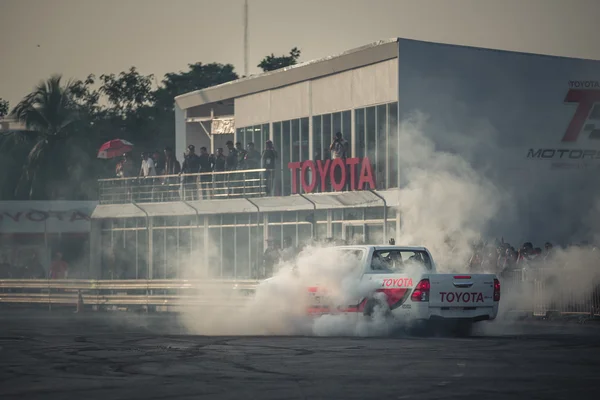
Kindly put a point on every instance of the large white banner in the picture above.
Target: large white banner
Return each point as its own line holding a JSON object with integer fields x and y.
{"x": 45, "y": 216}
{"x": 529, "y": 123}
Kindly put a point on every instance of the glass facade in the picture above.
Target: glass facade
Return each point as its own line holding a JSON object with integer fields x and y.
{"x": 228, "y": 245}
{"x": 374, "y": 136}
{"x": 377, "y": 138}
{"x": 257, "y": 134}
{"x": 325, "y": 127}
{"x": 291, "y": 140}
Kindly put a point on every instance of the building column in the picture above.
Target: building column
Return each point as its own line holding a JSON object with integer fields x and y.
{"x": 180, "y": 131}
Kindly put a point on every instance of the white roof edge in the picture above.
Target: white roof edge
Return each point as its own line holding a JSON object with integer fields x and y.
{"x": 350, "y": 59}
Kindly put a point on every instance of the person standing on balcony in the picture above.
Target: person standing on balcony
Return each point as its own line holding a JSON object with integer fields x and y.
{"x": 206, "y": 167}
{"x": 234, "y": 180}
{"x": 172, "y": 167}
{"x": 191, "y": 165}
{"x": 241, "y": 156}
{"x": 269, "y": 156}
{"x": 252, "y": 157}
{"x": 252, "y": 161}
{"x": 338, "y": 149}
{"x": 219, "y": 164}
{"x": 148, "y": 172}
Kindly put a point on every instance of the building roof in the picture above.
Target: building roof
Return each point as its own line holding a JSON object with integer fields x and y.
{"x": 355, "y": 58}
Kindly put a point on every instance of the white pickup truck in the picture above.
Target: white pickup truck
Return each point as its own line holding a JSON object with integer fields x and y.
{"x": 410, "y": 287}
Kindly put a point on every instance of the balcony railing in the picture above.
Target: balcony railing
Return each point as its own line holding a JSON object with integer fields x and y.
{"x": 188, "y": 187}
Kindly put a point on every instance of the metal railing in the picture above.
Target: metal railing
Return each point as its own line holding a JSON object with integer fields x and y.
{"x": 187, "y": 187}
{"x": 544, "y": 292}
{"x": 124, "y": 293}
{"x": 540, "y": 292}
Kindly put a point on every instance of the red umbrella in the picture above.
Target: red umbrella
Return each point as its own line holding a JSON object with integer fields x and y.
{"x": 114, "y": 148}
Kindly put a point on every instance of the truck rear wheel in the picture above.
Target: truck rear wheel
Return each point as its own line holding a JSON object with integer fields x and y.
{"x": 370, "y": 306}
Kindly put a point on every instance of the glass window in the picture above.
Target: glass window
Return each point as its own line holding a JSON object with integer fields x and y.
{"x": 228, "y": 219}
{"x": 338, "y": 215}
{"x": 374, "y": 234}
{"x": 285, "y": 151}
{"x": 242, "y": 252}
{"x": 242, "y": 219}
{"x": 347, "y": 131}
{"x": 370, "y": 134}
{"x": 275, "y": 234}
{"x": 336, "y": 229}
{"x": 304, "y": 234}
{"x": 326, "y": 136}
{"x": 214, "y": 268}
{"x": 317, "y": 152}
{"x": 274, "y": 217}
{"x": 337, "y": 125}
{"x": 381, "y": 147}
{"x": 277, "y": 145}
{"x": 295, "y": 139}
{"x": 239, "y": 134}
{"x": 228, "y": 245}
{"x": 304, "y": 142}
{"x": 289, "y": 216}
{"x": 264, "y": 136}
{"x": 374, "y": 213}
{"x": 321, "y": 231}
{"x": 257, "y": 247}
{"x": 359, "y": 131}
{"x": 289, "y": 231}
{"x": 393, "y": 145}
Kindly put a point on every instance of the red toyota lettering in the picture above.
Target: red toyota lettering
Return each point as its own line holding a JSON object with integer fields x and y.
{"x": 294, "y": 166}
{"x": 308, "y": 187}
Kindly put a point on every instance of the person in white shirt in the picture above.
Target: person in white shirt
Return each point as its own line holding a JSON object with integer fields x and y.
{"x": 148, "y": 167}
{"x": 148, "y": 170}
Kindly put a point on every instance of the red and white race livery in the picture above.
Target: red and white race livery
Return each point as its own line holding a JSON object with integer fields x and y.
{"x": 404, "y": 282}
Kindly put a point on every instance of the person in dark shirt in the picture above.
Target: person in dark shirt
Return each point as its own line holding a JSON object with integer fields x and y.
{"x": 241, "y": 155}
{"x": 191, "y": 165}
{"x": 206, "y": 167}
{"x": 252, "y": 161}
{"x": 232, "y": 157}
{"x": 233, "y": 180}
{"x": 269, "y": 157}
{"x": 252, "y": 157}
{"x": 219, "y": 164}
{"x": 172, "y": 167}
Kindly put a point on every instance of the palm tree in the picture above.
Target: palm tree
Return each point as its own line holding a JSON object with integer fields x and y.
{"x": 48, "y": 113}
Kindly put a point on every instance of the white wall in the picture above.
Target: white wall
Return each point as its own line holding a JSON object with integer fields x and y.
{"x": 360, "y": 87}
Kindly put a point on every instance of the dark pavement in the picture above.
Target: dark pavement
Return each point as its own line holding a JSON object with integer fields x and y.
{"x": 130, "y": 356}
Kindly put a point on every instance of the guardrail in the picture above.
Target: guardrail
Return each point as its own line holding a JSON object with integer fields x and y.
{"x": 124, "y": 293}
{"x": 549, "y": 292}
{"x": 538, "y": 292}
{"x": 188, "y": 187}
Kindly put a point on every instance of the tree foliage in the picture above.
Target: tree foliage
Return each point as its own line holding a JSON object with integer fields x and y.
{"x": 68, "y": 121}
{"x": 4, "y": 107}
{"x": 271, "y": 62}
{"x": 49, "y": 113}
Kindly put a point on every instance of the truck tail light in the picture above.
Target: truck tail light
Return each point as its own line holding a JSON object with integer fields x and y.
{"x": 421, "y": 292}
{"x": 496, "y": 290}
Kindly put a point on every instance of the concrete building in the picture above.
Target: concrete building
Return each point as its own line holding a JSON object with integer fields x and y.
{"x": 504, "y": 116}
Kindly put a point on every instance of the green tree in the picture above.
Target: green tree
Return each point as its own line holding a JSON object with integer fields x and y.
{"x": 271, "y": 62}
{"x": 48, "y": 112}
{"x": 198, "y": 76}
{"x": 4, "y": 107}
{"x": 127, "y": 92}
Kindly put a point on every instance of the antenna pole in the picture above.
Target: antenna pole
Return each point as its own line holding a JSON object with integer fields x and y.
{"x": 246, "y": 38}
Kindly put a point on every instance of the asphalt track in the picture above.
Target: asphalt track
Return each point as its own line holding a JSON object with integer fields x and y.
{"x": 129, "y": 356}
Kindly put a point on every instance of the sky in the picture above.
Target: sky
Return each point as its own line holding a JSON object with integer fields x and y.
{"x": 79, "y": 37}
